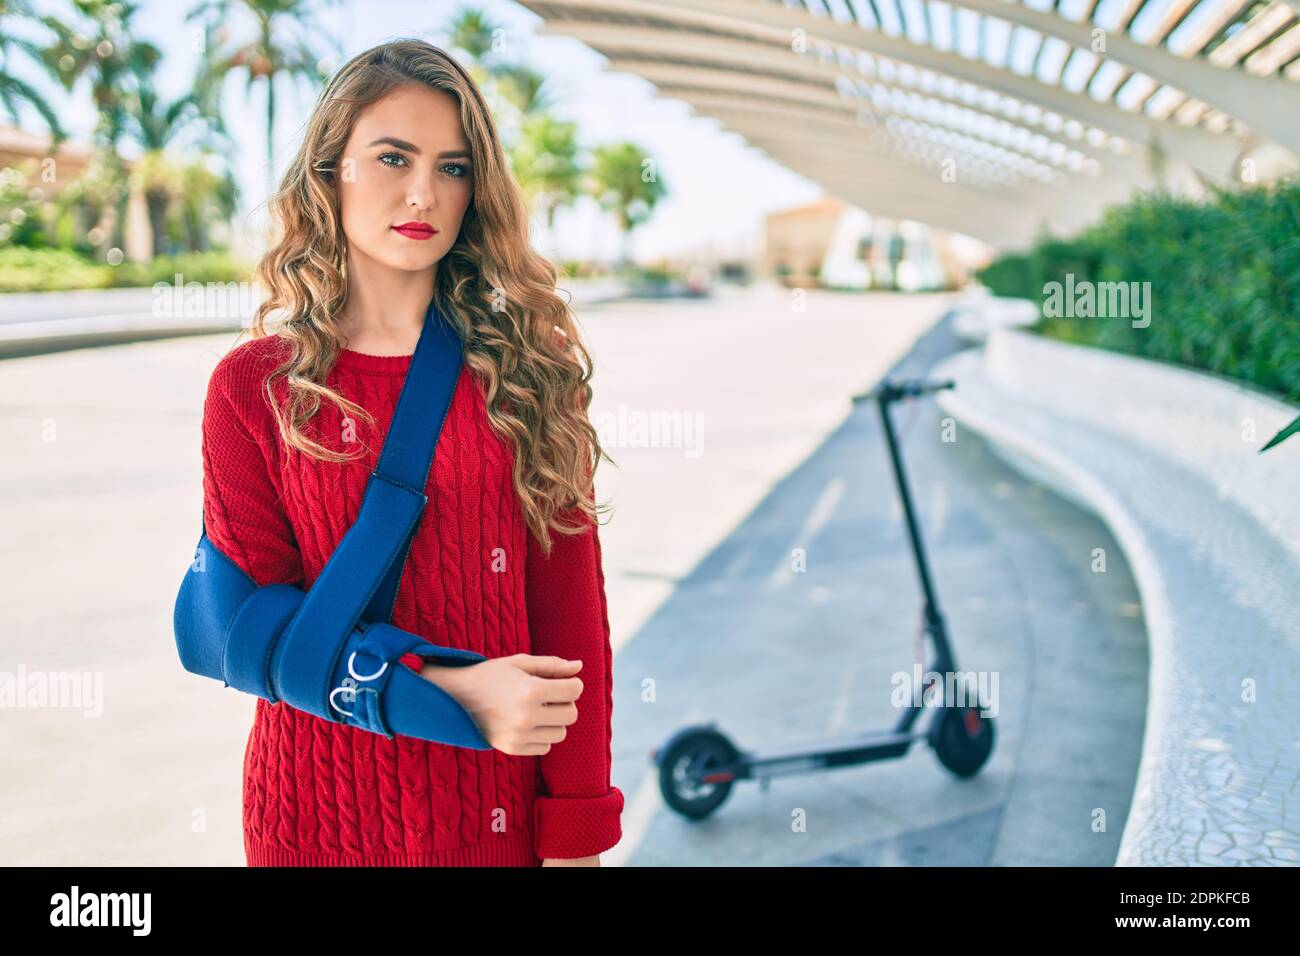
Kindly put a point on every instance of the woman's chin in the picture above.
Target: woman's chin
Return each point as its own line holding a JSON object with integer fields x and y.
{"x": 410, "y": 260}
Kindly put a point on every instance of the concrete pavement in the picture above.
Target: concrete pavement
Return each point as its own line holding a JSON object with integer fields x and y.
{"x": 782, "y": 659}
{"x": 102, "y": 495}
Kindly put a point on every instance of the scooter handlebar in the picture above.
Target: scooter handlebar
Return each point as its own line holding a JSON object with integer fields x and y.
{"x": 891, "y": 391}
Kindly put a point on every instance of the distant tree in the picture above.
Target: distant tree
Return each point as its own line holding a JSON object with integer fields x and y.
{"x": 283, "y": 46}
{"x": 626, "y": 184}
{"x": 545, "y": 161}
{"x": 14, "y": 90}
{"x": 98, "y": 45}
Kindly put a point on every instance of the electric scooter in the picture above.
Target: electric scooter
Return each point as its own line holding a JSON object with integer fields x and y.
{"x": 698, "y": 765}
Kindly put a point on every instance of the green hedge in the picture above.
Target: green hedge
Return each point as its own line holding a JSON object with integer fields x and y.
{"x": 193, "y": 267}
{"x": 50, "y": 270}
{"x": 1224, "y": 280}
{"x": 43, "y": 270}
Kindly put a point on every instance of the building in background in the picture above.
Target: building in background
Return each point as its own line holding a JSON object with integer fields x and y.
{"x": 30, "y": 153}
{"x": 831, "y": 244}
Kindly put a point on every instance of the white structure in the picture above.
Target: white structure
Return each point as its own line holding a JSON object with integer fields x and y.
{"x": 993, "y": 118}
{"x": 843, "y": 267}
{"x": 1169, "y": 459}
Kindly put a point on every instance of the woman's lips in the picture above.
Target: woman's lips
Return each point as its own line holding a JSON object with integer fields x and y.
{"x": 415, "y": 230}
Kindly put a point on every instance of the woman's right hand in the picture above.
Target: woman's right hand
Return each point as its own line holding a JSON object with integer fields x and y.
{"x": 521, "y": 704}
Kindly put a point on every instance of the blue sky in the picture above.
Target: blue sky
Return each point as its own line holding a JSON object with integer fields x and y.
{"x": 718, "y": 188}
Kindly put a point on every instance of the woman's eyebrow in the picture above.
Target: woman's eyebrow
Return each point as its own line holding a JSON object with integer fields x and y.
{"x": 412, "y": 148}
{"x": 399, "y": 143}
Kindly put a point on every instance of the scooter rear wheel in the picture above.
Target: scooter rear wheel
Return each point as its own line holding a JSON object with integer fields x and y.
{"x": 962, "y": 740}
{"x": 687, "y": 759}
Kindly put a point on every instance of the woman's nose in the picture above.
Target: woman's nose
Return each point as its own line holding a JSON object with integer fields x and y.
{"x": 421, "y": 193}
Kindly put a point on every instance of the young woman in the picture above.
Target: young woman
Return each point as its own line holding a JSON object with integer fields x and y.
{"x": 400, "y": 195}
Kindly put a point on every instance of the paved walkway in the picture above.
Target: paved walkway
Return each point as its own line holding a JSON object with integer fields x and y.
{"x": 101, "y": 496}
{"x": 781, "y": 659}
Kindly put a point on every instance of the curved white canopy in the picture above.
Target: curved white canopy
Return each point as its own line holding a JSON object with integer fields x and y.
{"x": 1005, "y": 116}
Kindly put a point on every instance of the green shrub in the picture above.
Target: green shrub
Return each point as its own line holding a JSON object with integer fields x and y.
{"x": 193, "y": 267}
{"x": 46, "y": 270}
{"x": 1014, "y": 274}
{"x": 1224, "y": 280}
{"x": 53, "y": 270}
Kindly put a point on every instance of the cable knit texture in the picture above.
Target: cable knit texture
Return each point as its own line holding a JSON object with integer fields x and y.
{"x": 317, "y": 793}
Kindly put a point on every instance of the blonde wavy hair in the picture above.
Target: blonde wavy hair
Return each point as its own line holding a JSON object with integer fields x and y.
{"x": 499, "y": 293}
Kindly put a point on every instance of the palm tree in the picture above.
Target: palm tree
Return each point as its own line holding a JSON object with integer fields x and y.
{"x": 475, "y": 34}
{"x": 524, "y": 88}
{"x": 545, "y": 162}
{"x": 156, "y": 124}
{"x": 268, "y": 56}
{"x": 542, "y": 150}
{"x": 520, "y": 96}
{"x": 80, "y": 206}
{"x": 159, "y": 181}
{"x": 472, "y": 31}
{"x": 13, "y": 90}
{"x": 206, "y": 197}
{"x": 625, "y": 182}
{"x": 99, "y": 46}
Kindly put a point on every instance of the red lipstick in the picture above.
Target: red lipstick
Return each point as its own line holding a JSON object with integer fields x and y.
{"x": 416, "y": 230}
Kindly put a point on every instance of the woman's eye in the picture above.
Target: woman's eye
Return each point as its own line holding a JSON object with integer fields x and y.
{"x": 382, "y": 157}
{"x": 463, "y": 170}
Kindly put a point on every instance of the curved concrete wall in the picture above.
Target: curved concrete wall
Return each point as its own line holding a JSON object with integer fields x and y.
{"x": 1165, "y": 456}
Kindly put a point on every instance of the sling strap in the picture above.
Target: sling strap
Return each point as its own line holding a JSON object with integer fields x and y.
{"x": 331, "y": 651}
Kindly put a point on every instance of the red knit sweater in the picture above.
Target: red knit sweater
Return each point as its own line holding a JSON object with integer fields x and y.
{"x": 321, "y": 793}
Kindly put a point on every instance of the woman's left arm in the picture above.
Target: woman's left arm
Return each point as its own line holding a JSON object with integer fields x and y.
{"x": 577, "y": 814}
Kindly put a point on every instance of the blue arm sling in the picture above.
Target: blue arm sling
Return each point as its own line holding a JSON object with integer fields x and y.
{"x": 331, "y": 650}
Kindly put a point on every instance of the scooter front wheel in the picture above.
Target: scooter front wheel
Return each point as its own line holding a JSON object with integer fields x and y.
{"x": 962, "y": 739}
{"x": 685, "y": 767}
